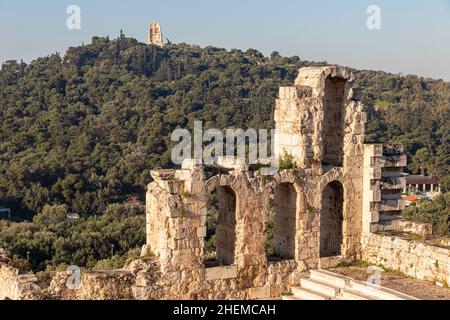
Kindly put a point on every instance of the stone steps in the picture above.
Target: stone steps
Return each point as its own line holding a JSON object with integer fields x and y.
{"x": 378, "y": 292}
{"x": 350, "y": 294}
{"x": 325, "y": 285}
{"x": 307, "y": 294}
{"x": 323, "y": 288}
{"x": 290, "y": 298}
{"x": 330, "y": 278}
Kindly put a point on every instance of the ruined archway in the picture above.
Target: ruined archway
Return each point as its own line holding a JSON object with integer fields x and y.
{"x": 220, "y": 242}
{"x": 331, "y": 220}
{"x": 281, "y": 223}
{"x": 334, "y": 120}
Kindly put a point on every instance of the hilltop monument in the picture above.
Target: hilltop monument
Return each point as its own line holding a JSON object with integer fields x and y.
{"x": 155, "y": 35}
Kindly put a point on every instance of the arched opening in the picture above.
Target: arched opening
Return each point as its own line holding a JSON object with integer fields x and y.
{"x": 334, "y": 121}
{"x": 220, "y": 241}
{"x": 281, "y": 223}
{"x": 331, "y": 219}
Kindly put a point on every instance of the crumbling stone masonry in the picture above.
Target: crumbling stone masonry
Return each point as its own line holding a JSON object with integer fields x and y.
{"x": 13, "y": 285}
{"x": 340, "y": 189}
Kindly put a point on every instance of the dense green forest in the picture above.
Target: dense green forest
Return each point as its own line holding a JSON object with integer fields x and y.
{"x": 81, "y": 132}
{"x": 50, "y": 242}
{"x": 86, "y": 129}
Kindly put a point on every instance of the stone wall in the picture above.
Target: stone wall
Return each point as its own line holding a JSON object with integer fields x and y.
{"x": 383, "y": 182}
{"x": 423, "y": 230}
{"x": 139, "y": 280}
{"x": 319, "y": 119}
{"x": 101, "y": 285}
{"x": 413, "y": 258}
{"x": 320, "y": 122}
{"x": 176, "y": 216}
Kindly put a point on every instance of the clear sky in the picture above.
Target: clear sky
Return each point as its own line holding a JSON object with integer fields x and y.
{"x": 414, "y": 36}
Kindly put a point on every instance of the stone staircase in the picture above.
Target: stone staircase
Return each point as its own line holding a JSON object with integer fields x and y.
{"x": 325, "y": 285}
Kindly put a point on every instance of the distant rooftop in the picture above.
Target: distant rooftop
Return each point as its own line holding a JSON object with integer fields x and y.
{"x": 421, "y": 180}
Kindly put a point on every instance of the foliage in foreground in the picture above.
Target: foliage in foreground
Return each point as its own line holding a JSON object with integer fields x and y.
{"x": 436, "y": 212}
{"x": 85, "y": 243}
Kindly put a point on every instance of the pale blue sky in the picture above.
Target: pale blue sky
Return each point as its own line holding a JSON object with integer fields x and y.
{"x": 415, "y": 34}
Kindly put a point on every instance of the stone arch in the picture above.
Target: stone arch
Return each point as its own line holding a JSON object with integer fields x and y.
{"x": 226, "y": 227}
{"x": 268, "y": 184}
{"x": 332, "y": 219}
{"x": 285, "y": 208}
{"x": 224, "y": 232}
{"x": 335, "y": 174}
{"x": 333, "y": 126}
{"x": 211, "y": 184}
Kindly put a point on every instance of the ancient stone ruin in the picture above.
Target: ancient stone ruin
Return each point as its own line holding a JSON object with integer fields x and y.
{"x": 155, "y": 36}
{"x": 332, "y": 207}
{"x": 326, "y": 211}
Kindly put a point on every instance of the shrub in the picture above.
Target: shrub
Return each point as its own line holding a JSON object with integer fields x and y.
{"x": 445, "y": 184}
{"x": 51, "y": 215}
{"x": 436, "y": 212}
{"x": 53, "y": 243}
{"x": 287, "y": 162}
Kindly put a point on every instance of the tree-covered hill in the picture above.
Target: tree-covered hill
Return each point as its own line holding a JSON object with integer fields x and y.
{"x": 85, "y": 129}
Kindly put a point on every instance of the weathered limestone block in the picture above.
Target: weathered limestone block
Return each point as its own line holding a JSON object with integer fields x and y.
{"x": 422, "y": 229}
{"x": 259, "y": 293}
{"x": 237, "y": 164}
{"x": 221, "y": 273}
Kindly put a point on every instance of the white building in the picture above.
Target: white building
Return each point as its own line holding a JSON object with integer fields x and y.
{"x": 5, "y": 213}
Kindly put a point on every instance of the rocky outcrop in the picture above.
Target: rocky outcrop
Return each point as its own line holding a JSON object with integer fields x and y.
{"x": 4, "y": 260}
{"x": 100, "y": 285}
{"x": 135, "y": 281}
{"x": 16, "y": 286}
